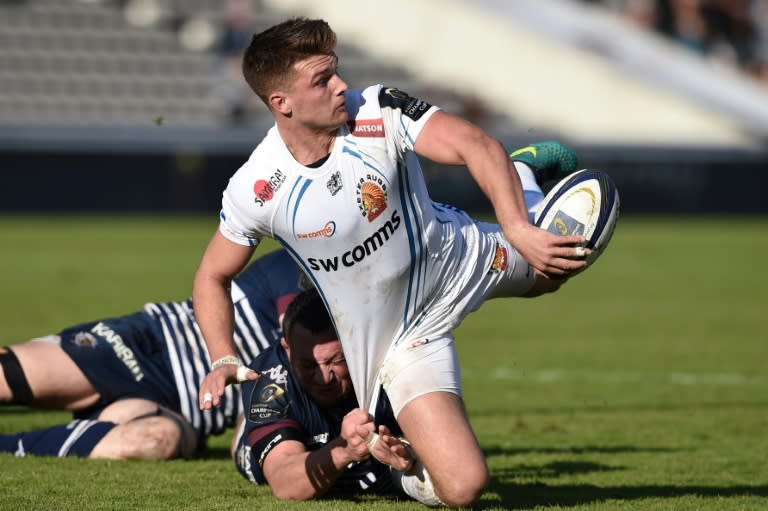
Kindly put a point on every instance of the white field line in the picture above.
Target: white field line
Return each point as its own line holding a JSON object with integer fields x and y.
{"x": 566, "y": 375}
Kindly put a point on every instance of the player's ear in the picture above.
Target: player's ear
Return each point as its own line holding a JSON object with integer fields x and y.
{"x": 285, "y": 346}
{"x": 279, "y": 103}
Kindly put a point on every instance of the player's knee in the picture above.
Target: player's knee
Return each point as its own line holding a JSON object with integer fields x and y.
{"x": 158, "y": 439}
{"x": 159, "y": 442}
{"x": 465, "y": 489}
{"x": 18, "y": 389}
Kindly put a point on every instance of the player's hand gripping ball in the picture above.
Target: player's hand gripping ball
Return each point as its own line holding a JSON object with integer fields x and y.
{"x": 586, "y": 203}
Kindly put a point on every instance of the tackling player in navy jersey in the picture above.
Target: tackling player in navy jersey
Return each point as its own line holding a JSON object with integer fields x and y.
{"x": 132, "y": 381}
{"x": 303, "y": 433}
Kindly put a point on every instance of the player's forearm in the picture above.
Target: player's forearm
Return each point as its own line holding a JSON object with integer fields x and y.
{"x": 215, "y": 315}
{"x": 311, "y": 474}
{"x": 497, "y": 178}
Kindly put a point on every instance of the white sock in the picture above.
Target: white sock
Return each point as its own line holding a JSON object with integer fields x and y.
{"x": 531, "y": 189}
{"x": 417, "y": 484}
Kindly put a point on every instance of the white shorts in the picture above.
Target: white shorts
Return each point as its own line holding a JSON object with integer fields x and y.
{"x": 414, "y": 369}
{"x": 424, "y": 358}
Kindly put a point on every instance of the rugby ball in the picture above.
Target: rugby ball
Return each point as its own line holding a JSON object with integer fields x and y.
{"x": 586, "y": 203}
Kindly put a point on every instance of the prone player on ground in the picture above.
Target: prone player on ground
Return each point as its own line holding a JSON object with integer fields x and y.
{"x": 132, "y": 381}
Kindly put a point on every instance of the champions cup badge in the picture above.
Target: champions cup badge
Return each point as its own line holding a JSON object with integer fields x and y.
{"x": 500, "y": 260}
{"x": 270, "y": 393}
{"x": 371, "y": 199}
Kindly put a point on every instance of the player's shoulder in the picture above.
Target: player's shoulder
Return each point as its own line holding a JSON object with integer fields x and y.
{"x": 379, "y": 96}
{"x": 263, "y": 157}
{"x": 361, "y": 95}
{"x": 362, "y": 102}
{"x": 267, "y": 398}
{"x": 273, "y": 362}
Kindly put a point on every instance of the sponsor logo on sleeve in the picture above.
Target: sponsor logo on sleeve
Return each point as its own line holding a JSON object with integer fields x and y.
{"x": 269, "y": 400}
{"x": 268, "y": 403}
{"x": 265, "y": 189}
{"x": 412, "y": 108}
{"x": 272, "y": 443}
{"x": 366, "y": 127}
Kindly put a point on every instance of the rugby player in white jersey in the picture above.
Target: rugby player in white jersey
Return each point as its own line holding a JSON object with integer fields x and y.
{"x": 336, "y": 180}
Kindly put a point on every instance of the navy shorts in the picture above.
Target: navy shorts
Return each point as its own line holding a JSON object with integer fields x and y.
{"x": 123, "y": 357}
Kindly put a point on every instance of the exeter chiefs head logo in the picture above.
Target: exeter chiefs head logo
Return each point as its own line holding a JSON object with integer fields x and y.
{"x": 371, "y": 198}
{"x": 500, "y": 260}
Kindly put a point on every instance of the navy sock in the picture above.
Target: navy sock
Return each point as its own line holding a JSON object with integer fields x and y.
{"x": 78, "y": 438}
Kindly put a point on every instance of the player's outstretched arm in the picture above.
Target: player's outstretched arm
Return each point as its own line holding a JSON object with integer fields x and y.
{"x": 450, "y": 140}
{"x": 221, "y": 262}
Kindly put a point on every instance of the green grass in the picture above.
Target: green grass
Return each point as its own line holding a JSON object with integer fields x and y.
{"x": 641, "y": 385}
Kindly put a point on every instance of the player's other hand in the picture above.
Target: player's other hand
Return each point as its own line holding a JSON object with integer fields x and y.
{"x": 549, "y": 254}
{"x": 392, "y": 451}
{"x": 214, "y": 383}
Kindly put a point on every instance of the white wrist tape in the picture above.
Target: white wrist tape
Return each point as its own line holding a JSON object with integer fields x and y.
{"x": 371, "y": 441}
{"x": 223, "y": 361}
{"x": 242, "y": 373}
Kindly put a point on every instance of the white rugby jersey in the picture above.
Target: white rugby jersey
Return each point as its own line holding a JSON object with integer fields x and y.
{"x": 363, "y": 228}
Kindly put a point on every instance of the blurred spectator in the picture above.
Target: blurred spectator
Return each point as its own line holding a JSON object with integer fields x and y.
{"x": 759, "y": 13}
{"x": 239, "y": 17}
{"x": 643, "y": 13}
{"x": 682, "y": 21}
{"x": 731, "y": 31}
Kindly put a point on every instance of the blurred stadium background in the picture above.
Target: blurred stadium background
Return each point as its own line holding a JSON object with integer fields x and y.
{"x": 138, "y": 105}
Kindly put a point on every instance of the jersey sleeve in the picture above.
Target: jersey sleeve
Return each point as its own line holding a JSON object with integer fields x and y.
{"x": 232, "y": 226}
{"x": 244, "y": 216}
{"x": 268, "y": 416}
{"x": 404, "y": 117}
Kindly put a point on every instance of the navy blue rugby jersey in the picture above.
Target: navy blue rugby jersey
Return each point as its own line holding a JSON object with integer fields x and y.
{"x": 277, "y": 409}
{"x": 260, "y": 295}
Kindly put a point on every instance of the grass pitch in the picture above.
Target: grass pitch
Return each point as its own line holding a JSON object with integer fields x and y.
{"x": 641, "y": 385}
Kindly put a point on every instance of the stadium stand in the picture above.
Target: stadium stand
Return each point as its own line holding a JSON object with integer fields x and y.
{"x": 92, "y": 91}
{"x": 131, "y": 62}
{"x": 69, "y": 62}
{"x": 561, "y": 66}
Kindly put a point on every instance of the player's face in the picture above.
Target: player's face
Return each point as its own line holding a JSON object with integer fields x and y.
{"x": 319, "y": 366}
{"x": 316, "y": 96}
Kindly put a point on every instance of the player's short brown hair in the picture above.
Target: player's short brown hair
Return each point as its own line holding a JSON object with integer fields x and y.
{"x": 307, "y": 310}
{"x": 269, "y": 59}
